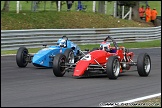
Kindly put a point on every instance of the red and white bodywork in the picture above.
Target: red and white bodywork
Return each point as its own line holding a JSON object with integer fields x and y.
{"x": 99, "y": 57}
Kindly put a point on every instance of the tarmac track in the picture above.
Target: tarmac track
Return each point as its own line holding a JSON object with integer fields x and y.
{"x": 38, "y": 87}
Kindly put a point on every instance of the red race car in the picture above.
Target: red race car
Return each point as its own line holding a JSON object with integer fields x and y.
{"x": 109, "y": 60}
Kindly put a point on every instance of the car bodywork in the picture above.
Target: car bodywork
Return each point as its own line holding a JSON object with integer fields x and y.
{"x": 45, "y": 56}
{"x": 111, "y": 62}
{"x": 97, "y": 59}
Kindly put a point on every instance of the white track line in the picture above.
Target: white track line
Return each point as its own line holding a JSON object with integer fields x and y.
{"x": 130, "y": 101}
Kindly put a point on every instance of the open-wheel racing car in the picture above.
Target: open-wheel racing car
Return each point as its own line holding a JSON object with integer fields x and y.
{"x": 45, "y": 56}
{"x": 109, "y": 60}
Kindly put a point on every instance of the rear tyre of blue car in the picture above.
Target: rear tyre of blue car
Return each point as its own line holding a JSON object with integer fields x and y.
{"x": 113, "y": 67}
{"x": 143, "y": 64}
{"x": 69, "y": 55}
{"x": 59, "y": 65}
{"x": 21, "y": 57}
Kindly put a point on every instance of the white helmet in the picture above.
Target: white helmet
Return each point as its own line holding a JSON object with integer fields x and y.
{"x": 62, "y": 43}
{"x": 105, "y": 46}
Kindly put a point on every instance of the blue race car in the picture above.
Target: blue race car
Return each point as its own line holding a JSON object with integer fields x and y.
{"x": 45, "y": 56}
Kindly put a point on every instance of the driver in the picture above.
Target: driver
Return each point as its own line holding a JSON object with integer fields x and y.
{"x": 105, "y": 45}
{"x": 62, "y": 43}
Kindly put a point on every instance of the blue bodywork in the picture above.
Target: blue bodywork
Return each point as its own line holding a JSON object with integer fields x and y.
{"x": 45, "y": 56}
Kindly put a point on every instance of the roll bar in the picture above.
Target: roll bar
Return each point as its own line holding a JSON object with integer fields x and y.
{"x": 65, "y": 37}
{"x": 114, "y": 42}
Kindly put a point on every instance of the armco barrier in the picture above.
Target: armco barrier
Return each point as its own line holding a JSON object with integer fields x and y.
{"x": 34, "y": 38}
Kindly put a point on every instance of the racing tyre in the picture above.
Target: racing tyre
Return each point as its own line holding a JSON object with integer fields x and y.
{"x": 113, "y": 67}
{"x": 69, "y": 55}
{"x": 59, "y": 65}
{"x": 143, "y": 64}
{"x": 21, "y": 56}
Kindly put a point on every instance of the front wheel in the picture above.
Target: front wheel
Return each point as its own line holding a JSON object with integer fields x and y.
{"x": 59, "y": 65}
{"x": 113, "y": 67}
{"x": 21, "y": 57}
{"x": 143, "y": 64}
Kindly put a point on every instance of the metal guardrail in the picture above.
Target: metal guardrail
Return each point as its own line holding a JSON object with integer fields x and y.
{"x": 34, "y": 38}
{"x": 158, "y": 17}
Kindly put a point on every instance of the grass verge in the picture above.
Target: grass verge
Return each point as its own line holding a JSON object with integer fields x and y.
{"x": 153, "y": 102}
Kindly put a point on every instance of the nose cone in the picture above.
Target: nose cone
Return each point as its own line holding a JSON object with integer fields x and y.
{"x": 39, "y": 57}
{"x": 36, "y": 58}
{"x": 81, "y": 67}
{"x": 42, "y": 57}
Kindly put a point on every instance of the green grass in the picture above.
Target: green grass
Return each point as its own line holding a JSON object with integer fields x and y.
{"x": 31, "y": 50}
{"x": 156, "y": 43}
{"x": 63, "y": 20}
{"x": 52, "y": 19}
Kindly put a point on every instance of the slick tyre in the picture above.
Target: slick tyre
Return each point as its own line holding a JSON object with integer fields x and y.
{"x": 58, "y": 65}
{"x": 143, "y": 64}
{"x": 69, "y": 55}
{"x": 21, "y": 56}
{"x": 113, "y": 67}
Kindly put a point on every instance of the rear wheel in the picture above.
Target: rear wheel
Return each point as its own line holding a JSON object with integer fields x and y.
{"x": 59, "y": 65}
{"x": 113, "y": 67}
{"x": 143, "y": 64}
{"x": 69, "y": 55}
{"x": 21, "y": 57}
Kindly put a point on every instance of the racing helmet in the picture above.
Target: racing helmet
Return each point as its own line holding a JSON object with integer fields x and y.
{"x": 62, "y": 43}
{"x": 105, "y": 46}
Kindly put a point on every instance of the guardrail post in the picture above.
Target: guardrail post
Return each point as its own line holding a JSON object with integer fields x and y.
{"x": 130, "y": 13}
